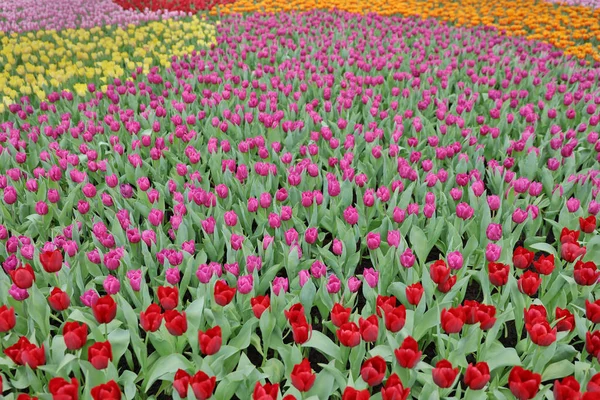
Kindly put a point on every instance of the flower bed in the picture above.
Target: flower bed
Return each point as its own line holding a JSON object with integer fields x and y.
{"x": 321, "y": 205}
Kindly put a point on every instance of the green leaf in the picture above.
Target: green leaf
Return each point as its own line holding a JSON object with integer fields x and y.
{"x": 166, "y": 365}
{"x": 242, "y": 339}
{"x": 545, "y": 247}
{"x": 499, "y": 356}
{"x": 558, "y": 370}
{"x": 419, "y": 242}
{"x": 322, "y": 343}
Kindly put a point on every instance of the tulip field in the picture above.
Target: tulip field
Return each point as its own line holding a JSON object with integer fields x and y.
{"x": 300, "y": 199}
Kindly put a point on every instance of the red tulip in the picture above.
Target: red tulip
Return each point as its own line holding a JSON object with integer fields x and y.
{"x": 541, "y": 333}
{"x": 534, "y": 314}
{"x": 369, "y": 328}
{"x": 522, "y": 257}
{"x": 75, "y": 335}
{"x": 151, "y": 319}
{"x": 408, "y": 354}
{"x": 446, "y": 286}
{"x": 592, "y": 311}
{"x": 439, "y": 272}
{"x": 23, "y": 276}
{"x": 25, "y": 396}
{"x": 352, "y": 394}
{"x": 393, "y": 389}
{"x": 168, "y": 297}
{"x": 302, "y": 376}
{"x": 7, "y": 319}
{"x": 301, "y": 332}
{"x": 259, "y": 305}
{"x": 100, "y": 354}
{"x": 545, "y": 264}
{"x": 477, "y": 376}
{"x": 395, "y": 319}
{"x": 453, "y": 319}
{"x": 498, "y": 273}
{"x": 295, "y": 314}
{"x": 523, "y": 383}
{"x": 373, "y": 370}
{"x": 587, "y": 225}
{"x": 414, "y": 293}
{"x": 586, "y": 273}
{"x": 61, "y": 389}
{"x": 385, "y": 303}
{"x": 267, "y": 391}
{"x": 567, "y": 389}
{"x": 569, "y": 236}
{"x": 51, "y": 261}
{"x": 444, "y": 374}
{"x": 176, "y": 322}
{"x": 105, "y": 309}
{"x": 203, "y": 385}
{"x": 59, "y": 300}
{"x": 566, "y": 320}
{"x": 181, "y": 382}
{"x": 106, "y": 391}
{"x": 210, "y": 341}
{"x": 529, "y": 283}
{"x": 592, "y": 343}
{"x": 486, "y": 316}
{"x": 348, "y": 334}
{"x": 223, "y": 293}
{"x": 340, "y": 315}
{"x": 571, "y": 251}
{"x": 26, "y": 353}
{"x": 594, "y": 384}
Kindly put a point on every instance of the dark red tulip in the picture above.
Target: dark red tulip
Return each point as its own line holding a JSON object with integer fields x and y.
{"x": 51, "y": 261}
{"x": 592, "y": 311}
{"x": 75, "y": 335}
{"x": 106, "y": 391}
{"x": 571, "y": 251}
{"x": 7, "y": 319}
{"x": 267, "y": 391}
{"x": 587, "y": 225}
{"x": 259, "y": 305}
{"x": 105, "y": 309}
{"x": 385, "y": 303}
{"x": 301, "y": 332}
{"x": 477, "y": 376}
{"x": 567, "y": 389}
{"x": 223, "y": 293}
{"x": 181, "y": 382}
{"x": 203, "y": 385}
{"x": 394, "y": 390}
{"x": 151, "y": 319}
{"x": 498, "y": 273}
{"x": 522, "y": 257}
{"x": 453, "y": 319}
{"x": 369, "y": 328}
{"x": 340, "y": 315}
{"x": 348, "y": 334}
{"x": 529, "y": 283}
{"x": 295, "y": 314}
{"x": 303, "y": 378}
{"x": 176, "y": 322}
{"x": 586, "y": 273}
{"x": 439, "y": 272}
{"x": 524, "y": 384}
{"x": 23, "y": 276}
{"x": 592, "y": 343}
{"x": 168, "y": 297}
{"x": 566, "y": 320}
{"x": 100, "y": 354}
{"x": 545, "y": 264}
{"x": 569, "y": 236}
{"x": 61, "y": 389}
{"x": 59, "y": 300}
{"x": 444, "y": 374}
{"x": 408, "y": 354}
{"x": 210, "y": 341}
{"x": 373, "y": 370}
{"x": 353, "y": 394}
{"x": 395, "y": 319}
{"x": 414, "y": 293}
